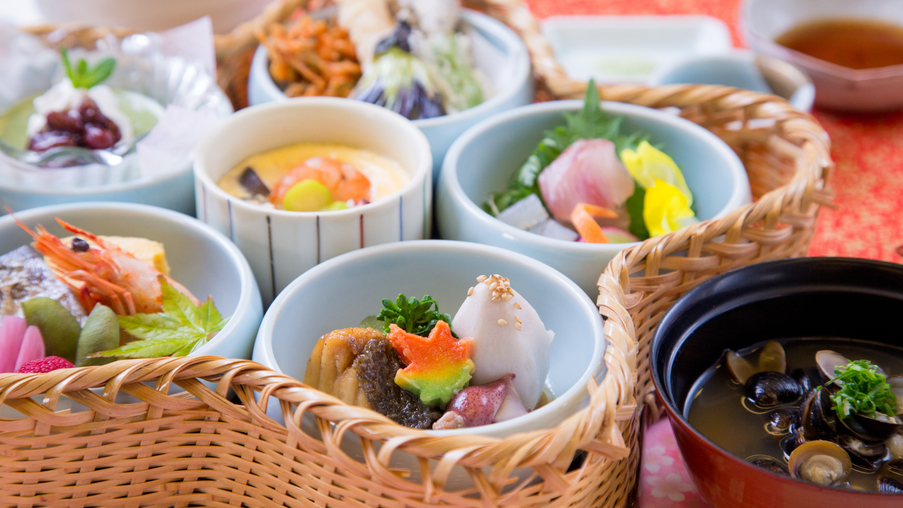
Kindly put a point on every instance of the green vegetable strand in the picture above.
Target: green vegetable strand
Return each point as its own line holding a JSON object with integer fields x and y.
{"x": 863, "y": 390}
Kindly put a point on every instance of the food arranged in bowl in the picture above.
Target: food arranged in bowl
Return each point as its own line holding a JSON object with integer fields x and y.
{"x": 115, "y": 123}
{"x": 87, "y": 299}
{"x": 78, "y": 111}
{"x": 315, "y": 177}
{"x": 682, "y": 173}
{"x": 769, "y": 383}
{"x": 504, "y": 343}
{"x": 407, "y": 56}
{"x": 433, "y": 62}
{"x": 806, "y": 410}
{"x": 293, "y": 184}
{"x": 589, "y": 170}
{"x": 408, "y": 364}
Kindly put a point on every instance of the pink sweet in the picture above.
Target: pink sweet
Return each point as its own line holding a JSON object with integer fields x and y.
{"x": 588, "y": 171}
{"x": 12, "y": 330}
{"x": 481, "y": 405}
{"x": 32, "y": 347}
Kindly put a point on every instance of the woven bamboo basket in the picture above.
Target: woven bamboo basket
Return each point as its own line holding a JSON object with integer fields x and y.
{"x": 153, "y": 447}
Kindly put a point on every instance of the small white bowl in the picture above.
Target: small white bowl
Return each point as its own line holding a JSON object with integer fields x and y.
{"x": 342, "y": 291}
{"x": 498, "y": 53}
{"x": 281, "y": 245}
{"x": 628, "y": 48}
{"x": 742, "y": 69}
{"x": 836, "y": 87}
{"x": 201, "y": 259}
{"x": 485, "y": 157}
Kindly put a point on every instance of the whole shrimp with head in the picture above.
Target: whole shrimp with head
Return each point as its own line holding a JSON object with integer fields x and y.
{"x": 99, "y": 271}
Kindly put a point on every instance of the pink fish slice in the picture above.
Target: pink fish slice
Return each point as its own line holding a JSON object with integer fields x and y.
{"x": 32, "y": 347}
{"x": 12, "y": 330}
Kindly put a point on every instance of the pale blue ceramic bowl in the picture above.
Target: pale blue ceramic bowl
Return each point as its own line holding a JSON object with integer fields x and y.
{"x": 201, "y": 259}
{"x": 485, "y": 157}
{"x": 498, "y": 53}
{"x": 340, "y": 292}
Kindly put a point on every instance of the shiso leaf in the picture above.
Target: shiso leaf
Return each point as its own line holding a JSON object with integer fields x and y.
{"x": 181, "y": 328}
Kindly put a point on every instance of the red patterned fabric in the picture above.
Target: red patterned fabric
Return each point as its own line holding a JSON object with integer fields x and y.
{"x": 868, "y": 150}
{"x": 868, "y": 221}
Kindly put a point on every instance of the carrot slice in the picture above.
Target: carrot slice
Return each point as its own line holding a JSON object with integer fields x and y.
{"x": 584, "y": 222}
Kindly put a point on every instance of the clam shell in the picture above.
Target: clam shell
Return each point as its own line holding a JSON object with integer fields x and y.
{"x": 820, "y": 462}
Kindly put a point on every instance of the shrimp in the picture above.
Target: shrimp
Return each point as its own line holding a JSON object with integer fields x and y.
{"x": 105, "y": 274}
{"x": 343, "y": 180}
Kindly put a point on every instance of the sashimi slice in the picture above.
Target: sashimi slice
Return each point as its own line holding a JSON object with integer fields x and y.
{"x": 12, "y": 330}
{"x": 588, "y": 171}
{"x": 32, "y": 347}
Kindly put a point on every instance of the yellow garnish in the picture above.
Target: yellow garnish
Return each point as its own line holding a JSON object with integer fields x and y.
{"x": 666, "y": 209}
{"x": 648, "y": 164}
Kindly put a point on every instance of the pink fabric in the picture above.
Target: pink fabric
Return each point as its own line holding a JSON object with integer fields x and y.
{"x": 664, "y": 481}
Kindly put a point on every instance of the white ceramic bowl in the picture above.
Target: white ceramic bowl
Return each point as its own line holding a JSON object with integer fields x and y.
{"x": 742, "y": 69}
{"x": 836, "y": 87}
{"x": 203, "y": 260}
{"x": 485, "y": 157}
{"x": 498, "y": 53}
{"x": 341, "y": 292}
{"x": 142, "y": 16}
{"x": 281, "y": 245}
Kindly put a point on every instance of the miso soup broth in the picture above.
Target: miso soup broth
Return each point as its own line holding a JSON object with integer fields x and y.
{"x": 720, "y": 410}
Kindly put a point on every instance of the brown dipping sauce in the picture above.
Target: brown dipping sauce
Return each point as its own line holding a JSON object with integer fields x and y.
{"x": 853, "y": 43}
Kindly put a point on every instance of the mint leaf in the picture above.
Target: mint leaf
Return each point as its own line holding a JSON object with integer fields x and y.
{"x": 83, "y": 75}
{"x": 181, "y": 328}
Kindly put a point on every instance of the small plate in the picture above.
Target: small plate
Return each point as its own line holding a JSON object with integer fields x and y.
{"x": 628, "y": 49}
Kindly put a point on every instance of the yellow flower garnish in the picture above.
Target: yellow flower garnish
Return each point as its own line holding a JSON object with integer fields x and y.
{"x": 666, "y": 209}
{"x": 648, "y": 164}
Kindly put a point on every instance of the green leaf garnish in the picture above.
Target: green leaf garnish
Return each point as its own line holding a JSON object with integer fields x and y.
{"x": 863, "y": 390}
{"x": 412, "y": 315}
{"x": 84, "y": 76}
{"x": 590, "y": 123}
{"x": 181, "y": 328}
{"x": 634, "y": 205}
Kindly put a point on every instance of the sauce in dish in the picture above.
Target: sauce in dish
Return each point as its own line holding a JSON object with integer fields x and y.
{"x": 314, "y": 177}
{"x": 853, "y": 43}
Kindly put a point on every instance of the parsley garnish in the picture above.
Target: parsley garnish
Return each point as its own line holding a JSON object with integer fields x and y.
{"x": 863, "y": 390}
{"x": 590, "y": 123}
{"x": 84, "y": 76}
{"x": 181, "y": 328}
{"x": 412, "y": 315}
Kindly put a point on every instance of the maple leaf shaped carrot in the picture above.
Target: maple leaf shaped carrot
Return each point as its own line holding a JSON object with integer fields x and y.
{"x": 438, "y": 366}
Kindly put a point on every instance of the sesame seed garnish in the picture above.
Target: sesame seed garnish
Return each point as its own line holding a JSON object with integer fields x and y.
{"x": 517, "y": 318}
{"x": 503, "y": 322}
{"x": 481, "y": 278}
{"x": 516, "y": 305}
{"x": 470, "y": 292}
{"x": 517, "y": 326}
